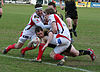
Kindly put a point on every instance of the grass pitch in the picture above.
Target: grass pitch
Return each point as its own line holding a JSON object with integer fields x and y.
{"x": 16, "y": 17}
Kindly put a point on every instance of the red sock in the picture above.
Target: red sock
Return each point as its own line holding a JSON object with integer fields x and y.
{"x": 10, "y": 47}
{"x": 40, "y": 53}
{"x": 26, "y": 49}
{"x": 58, "y": 57}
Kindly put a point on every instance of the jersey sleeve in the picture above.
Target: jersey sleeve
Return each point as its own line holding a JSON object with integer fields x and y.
{"x": 38, "y": 22}
{"x": 51, "y": 19}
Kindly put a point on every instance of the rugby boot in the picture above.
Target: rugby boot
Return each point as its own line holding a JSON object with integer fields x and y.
{"x": 35, "y": 60}
{"x": 62, "y": 61}
{"x": 4, "y": 51}
{"x": 92, "y": 55}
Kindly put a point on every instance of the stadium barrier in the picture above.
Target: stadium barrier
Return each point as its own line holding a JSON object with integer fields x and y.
{"x": 83, "y": 4}
{"x": 93, "y": 4}
{"x": 45, "y": 2}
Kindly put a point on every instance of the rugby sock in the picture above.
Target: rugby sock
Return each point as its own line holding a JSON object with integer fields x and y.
{"x": 58, "y": 57}
{"x": 84, "y": 52}
{"x": 26, "y": 49}
{"x": 40, "y": 53}
{"x": 70, "y": 30}
{"x": 0, "y": 16}
{"x": 10, "y": 47}
{"x": 74, "y": 27}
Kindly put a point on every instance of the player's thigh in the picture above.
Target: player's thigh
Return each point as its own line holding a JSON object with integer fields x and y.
{"x": 52, "y": 54}
{"x": 20, "y": 42}
{"x": 19, "y": 45}
{"x": 60, "y": 48}
{"x": 73, "y": 51}
{"x": 75, "y": 21}
{"x": 0, "y": 11}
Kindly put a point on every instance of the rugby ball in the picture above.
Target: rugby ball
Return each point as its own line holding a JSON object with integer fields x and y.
{"x": 36, "y": 42}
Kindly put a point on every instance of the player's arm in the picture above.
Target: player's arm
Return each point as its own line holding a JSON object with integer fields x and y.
{"x": 38, "y": 22}
{"x": 54, "y": 27}
{"x": 62, "y": 7}
{"x": 50, "y": 37}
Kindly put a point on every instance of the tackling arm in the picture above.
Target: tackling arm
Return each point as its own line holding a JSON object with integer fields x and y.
{"x": 38, "y": 22}
{"x": 50, "y": 37}
{"x": 54, "y": 27}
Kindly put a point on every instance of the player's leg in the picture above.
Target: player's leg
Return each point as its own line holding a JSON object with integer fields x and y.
{"x": 40, "y": 53}
{"x": 17, "y": 45}
{"x": 74, "y": 27}
{"x": 74, "y": 52}
{"x": 75, "y": 21}
{"x": 0, "y": 12}
{"x": 31, "y": 45}
{"x": 58, "y": 56}
{"x": 13, "y": 46}
{"x": 69, "y": 22}
{"x": 56, "y": 53}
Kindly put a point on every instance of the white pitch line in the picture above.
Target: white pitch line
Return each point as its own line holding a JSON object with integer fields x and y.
{"x": 84, "y": 70}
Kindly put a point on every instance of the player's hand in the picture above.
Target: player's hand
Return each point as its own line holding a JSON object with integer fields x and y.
{"x": 44, "y": 46}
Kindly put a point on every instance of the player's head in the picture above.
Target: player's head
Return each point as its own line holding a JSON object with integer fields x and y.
{"x": 49, "y": 11}
{"x": 38, "y": 8}
{"x": 52, "y": 4}
{"x": 39, "y": 32}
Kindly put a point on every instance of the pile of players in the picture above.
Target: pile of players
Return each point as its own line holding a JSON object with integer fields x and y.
{"x": 47, "y": 29}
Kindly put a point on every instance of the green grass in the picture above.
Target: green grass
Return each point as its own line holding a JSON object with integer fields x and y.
{"x": 16, "y": 17}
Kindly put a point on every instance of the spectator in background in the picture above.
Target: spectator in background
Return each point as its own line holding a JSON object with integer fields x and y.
{"x": 1, "y": 4}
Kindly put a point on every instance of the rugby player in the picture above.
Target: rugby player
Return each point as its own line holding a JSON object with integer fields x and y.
{"x": 59, "y": 35}
{"x": 29, "y": 31}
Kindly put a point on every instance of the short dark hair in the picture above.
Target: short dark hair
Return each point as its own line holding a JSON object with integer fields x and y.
{"x": 38, "y": 29}
{"x": 52, "y": 3}
{"x": 38, "y": 5}
{"x": 50, "y": 11}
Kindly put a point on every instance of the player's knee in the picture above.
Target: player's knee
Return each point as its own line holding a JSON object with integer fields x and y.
{"x": 76, "y": 54}
{"x": 52, "y": 55}
{"x": 17, "y": 46}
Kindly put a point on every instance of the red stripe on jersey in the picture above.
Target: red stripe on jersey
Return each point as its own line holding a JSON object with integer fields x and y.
{"x": 58, "y": 21}
{"x": 62, "y": 36}
{"x": 31, "y": 23}
{"x": 21, "y": 34}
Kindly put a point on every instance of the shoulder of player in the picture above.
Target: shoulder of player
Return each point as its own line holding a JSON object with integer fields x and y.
{"x": 35, "y": 16}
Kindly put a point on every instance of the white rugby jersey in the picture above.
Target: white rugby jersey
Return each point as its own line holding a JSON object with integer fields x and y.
{"x": 61, "y": 26}
{"x": 34, "y": 21}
